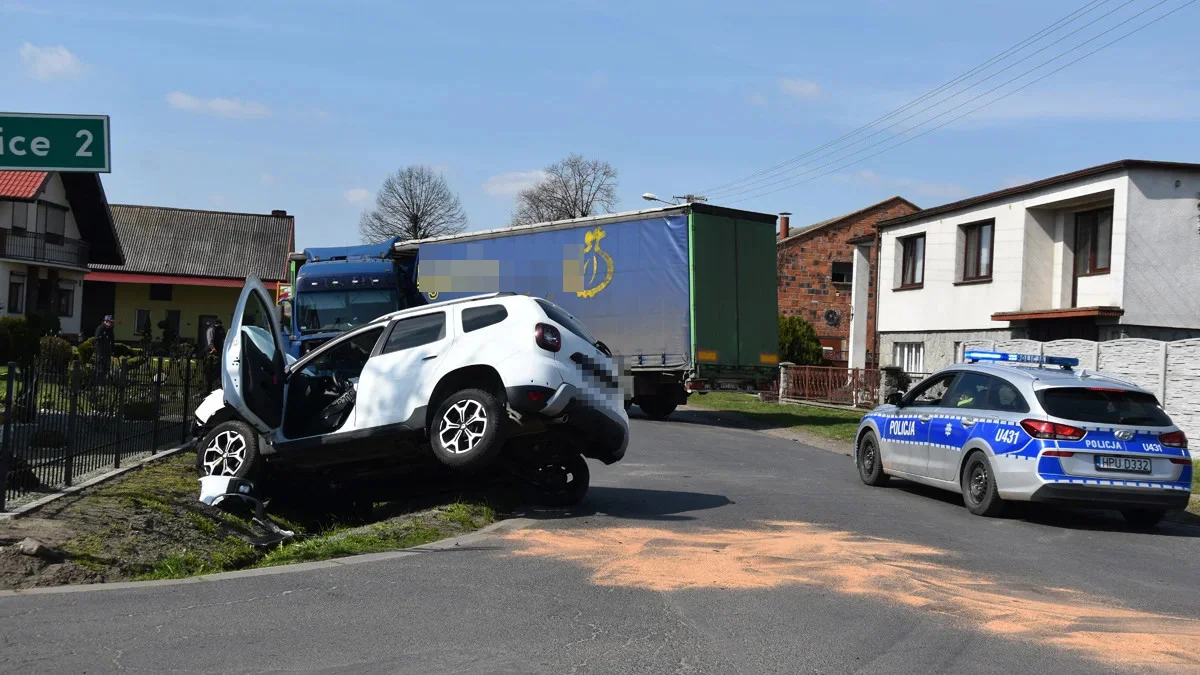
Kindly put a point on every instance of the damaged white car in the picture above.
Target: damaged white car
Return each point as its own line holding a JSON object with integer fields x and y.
{"x": 502, "y": 381}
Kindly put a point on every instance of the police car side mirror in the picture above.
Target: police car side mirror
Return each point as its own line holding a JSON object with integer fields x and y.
{"x": 893, "y": 399}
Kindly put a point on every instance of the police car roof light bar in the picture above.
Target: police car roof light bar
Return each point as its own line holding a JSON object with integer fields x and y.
{"x": 1065, "y": 362}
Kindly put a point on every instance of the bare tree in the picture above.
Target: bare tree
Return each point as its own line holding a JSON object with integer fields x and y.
{"x": 413, "y": 203}
{"x": 573, "y": 188}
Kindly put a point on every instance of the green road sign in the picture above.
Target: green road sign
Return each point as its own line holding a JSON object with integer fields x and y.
{"x": 35, "y": 142}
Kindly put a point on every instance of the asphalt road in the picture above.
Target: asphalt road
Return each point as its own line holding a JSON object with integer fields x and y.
{"x": 708, "y": 549}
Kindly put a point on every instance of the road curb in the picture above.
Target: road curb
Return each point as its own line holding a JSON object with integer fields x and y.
{"x": 461, "y": 541}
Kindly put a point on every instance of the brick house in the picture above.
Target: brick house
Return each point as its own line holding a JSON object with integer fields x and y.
{"x": 817, "y": 265}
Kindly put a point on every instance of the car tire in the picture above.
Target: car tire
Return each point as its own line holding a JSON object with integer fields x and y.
{"x": 979, "y": 487}
{"x": 656, "y": 407}
{"x": 230, "y": 449}
{"x": 1143, "y": 519}
{"x": 467, "y": 430}
{"x": 869, "y": 461}
{"x": 560, "y": 482}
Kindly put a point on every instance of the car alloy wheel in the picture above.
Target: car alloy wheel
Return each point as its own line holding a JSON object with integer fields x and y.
{"x": 462, "y": 426}
{"x": 225, "y": 454}
{"x": 978, "y": 483}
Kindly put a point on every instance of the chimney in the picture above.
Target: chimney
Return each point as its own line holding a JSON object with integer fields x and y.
{"x": 279, "y": 213}
{"x": 784, "y": 221}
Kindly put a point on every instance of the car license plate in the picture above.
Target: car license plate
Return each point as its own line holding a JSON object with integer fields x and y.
{"x": 1126, "y": 464}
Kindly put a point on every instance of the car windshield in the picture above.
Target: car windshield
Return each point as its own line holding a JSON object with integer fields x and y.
{"x": 1103, "y": 406}
{"x": 323, "y": 311}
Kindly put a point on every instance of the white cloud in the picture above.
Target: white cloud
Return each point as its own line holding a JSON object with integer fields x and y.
{"x": 356, "y": 195}
{"x": 229, "y": 108}
{"x": 49, "y": 63}
{"x": 268, "y": 179}
{"x": 509, "y": 184}
{"x": 803, "y": 90}
{"x": 757, "y": 99}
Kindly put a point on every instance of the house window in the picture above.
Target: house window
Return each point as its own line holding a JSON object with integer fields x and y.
{"x": 842, "y": 273}
{"x": 65, "y": 301}
{"x": 52, "y": 219}
{"x": 977, "y": 250}
{"x": 141, "y": 321}
{"x": 910, "y": 356}
{"x": 161, "y": 292}
{"x": 16, "y": 293}
{"x": 20, "y": 219}
{"x": 1093, "y": 242}
{"x": 912, "y": 261}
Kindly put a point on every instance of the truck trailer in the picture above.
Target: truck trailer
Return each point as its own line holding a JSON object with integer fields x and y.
{"x": 685, "y": 296}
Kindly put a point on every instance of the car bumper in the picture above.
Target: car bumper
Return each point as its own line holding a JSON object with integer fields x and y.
{"x": 1090, "y": 496}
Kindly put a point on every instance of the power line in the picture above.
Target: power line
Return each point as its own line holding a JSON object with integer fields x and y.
{"x": 1054, "y": 27}
{"x": 973, "y": 110}
{"x": 783, "y": 177}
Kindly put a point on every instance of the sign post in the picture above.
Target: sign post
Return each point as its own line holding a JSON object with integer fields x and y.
{"x": 36, "y": 142}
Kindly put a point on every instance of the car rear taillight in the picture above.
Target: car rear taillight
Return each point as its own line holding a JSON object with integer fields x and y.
{"x": 1173, "y": 439}
{"x": 1058, "y": 453}
{"x": 1181, "y": 460}
{"x": 547, "y": 337}
{"x": 1052, "y": 430}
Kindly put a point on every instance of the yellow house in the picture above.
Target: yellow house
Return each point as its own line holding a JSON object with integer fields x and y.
{"x": 184, "y": 269}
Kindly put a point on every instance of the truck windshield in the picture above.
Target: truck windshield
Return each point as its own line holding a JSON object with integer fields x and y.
{"x": 324, "y": 311}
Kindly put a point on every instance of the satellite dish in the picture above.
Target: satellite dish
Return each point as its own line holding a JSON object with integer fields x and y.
{"x": 833, "y": 317}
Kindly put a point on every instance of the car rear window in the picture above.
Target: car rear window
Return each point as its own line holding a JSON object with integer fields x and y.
{"x": 557, "y": 315}
{"x": 1103, "y": 406}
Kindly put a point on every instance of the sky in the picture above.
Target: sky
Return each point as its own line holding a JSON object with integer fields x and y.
{"x": 306, "y": 106}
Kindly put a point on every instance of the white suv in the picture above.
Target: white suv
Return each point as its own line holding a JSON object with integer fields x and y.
{"x": 464, "y": 382}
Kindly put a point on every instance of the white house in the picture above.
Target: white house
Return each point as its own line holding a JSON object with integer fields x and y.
{"x": 1099, "y": 254}
{"x": 51, "y": 226}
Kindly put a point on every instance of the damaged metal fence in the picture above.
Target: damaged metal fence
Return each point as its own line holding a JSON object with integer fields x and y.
{"x": 65, "y": 421}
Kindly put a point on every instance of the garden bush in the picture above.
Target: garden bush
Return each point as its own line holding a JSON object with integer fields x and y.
{"x": 87, "y": 350}
{"x": 19, "y": 341}
{"x": 55, "y": 351}
{"x": 798, "y": 342}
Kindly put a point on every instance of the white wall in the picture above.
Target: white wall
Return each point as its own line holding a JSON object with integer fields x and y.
{"x": 1162, "y": 271}
{"x": 941, "y": 305}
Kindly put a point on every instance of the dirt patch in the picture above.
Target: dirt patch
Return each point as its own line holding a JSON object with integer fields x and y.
{"x": 785, "y": 553}
{"x": 149, "y": 524}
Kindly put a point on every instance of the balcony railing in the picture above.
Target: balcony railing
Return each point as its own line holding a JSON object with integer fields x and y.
{"x": 43, "y": 248}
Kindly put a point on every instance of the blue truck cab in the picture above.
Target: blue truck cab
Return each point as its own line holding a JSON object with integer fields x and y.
{"x": 338, "y": 288}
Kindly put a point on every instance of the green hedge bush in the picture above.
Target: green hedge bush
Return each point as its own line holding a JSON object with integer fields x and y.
{"x": 798, "y": 342}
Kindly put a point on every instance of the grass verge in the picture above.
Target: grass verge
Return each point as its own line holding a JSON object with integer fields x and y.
{"x": 838, "y": 425}
{"x": 149, "y": 524}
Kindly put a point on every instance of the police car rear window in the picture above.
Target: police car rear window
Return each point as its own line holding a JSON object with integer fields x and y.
{"x": 1103, "y": 406}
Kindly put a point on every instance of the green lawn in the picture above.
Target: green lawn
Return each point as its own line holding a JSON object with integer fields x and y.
{"x": 835, "y": 424}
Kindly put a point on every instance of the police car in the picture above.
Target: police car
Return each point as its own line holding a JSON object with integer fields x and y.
{"x": 1031, "y": 428}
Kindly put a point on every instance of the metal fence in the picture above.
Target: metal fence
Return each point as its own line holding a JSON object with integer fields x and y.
{"x": 844, "y": 386}
{"x": 66, "y": 421}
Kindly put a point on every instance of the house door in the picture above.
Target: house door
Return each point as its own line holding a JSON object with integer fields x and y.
{"x": 202, "y": 335}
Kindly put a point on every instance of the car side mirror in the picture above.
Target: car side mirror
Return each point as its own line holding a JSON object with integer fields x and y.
{"x": 893, "y": 399}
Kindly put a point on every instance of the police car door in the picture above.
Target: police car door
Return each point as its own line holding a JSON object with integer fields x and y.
{"x": 906, "y": 435}
{"x": 963, "y": 413}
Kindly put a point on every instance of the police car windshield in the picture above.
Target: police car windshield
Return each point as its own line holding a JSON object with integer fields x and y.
{"x": 1103, "y": 406}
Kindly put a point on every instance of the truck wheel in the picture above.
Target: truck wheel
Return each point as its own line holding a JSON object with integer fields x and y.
{"x": 466, "y": 432}
{"x": 563, "y": 481}
{"x": 230, "y": 449}
{"x": 656, "y": 407}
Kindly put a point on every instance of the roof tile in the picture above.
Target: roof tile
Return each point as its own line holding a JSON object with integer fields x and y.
{"x": 21, "y": 184}
{"x": 188, "y": 242}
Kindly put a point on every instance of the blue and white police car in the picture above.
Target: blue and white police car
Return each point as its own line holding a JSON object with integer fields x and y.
{"x": 1031, "y": 428}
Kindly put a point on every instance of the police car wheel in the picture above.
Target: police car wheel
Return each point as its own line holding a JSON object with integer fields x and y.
{"x": 870, "y": 465}
{"x": 979, "y": 487}
{"x": 1143, "y": 519}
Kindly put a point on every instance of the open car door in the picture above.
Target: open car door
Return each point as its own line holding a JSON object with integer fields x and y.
{"x": 253, "y": 367}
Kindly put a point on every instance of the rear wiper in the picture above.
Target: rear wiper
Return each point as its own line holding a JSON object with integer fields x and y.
{"x": 602, "y": 347}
